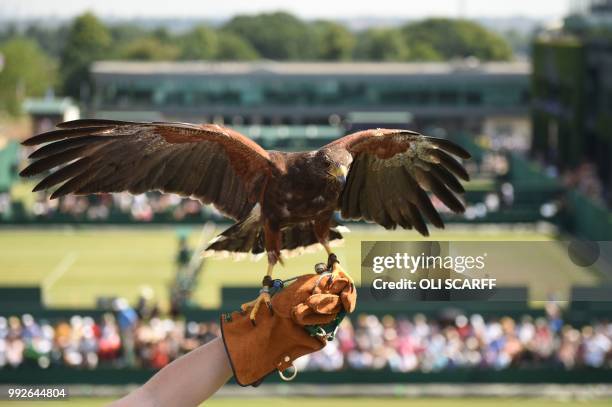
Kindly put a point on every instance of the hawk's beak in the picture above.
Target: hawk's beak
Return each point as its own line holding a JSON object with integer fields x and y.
{"x": 338, "y": 172}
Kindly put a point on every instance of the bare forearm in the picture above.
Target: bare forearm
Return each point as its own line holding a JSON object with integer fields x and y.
{"x": 187, "y": 381}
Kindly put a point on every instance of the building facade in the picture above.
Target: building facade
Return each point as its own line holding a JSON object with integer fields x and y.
{"x": 464, "y": 96}
{"x": 572, "y": 96}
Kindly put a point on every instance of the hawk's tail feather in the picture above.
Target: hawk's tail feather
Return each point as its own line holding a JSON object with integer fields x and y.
{"x": 247, "y": 237}
{"x": 243, "y": 237}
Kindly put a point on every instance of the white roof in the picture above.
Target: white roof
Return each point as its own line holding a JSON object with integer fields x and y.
{"x": 310, "y": 68}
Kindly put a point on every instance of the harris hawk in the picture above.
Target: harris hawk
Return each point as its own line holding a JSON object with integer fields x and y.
{"x": 281, "y": 201}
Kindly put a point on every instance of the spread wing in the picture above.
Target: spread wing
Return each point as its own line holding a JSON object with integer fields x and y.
{"x": 391, "y": 173}
{"x": 213, "y": 164}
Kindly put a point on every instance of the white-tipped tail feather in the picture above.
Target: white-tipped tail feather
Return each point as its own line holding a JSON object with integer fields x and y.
{"x": 285, "y": 253}
{"x": 342, "y": 229}
{"x": 246, "y": 237}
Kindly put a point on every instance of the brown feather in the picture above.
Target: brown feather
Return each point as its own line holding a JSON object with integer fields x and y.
{"x": 450, "y": 164}
{"x": 52, "y": 161}
{"x": 63, "y": 145}
{"x": 422, "y": 202}
{"x": 407, "y": 219}
{"x": 447, "y": 178}
{"x": 63, "y": 174}
{"x": 215, "y": 179}
{"x": 356, "y": 177}
{"x": 387, "y": 190}
{"x": 375, "y": 190}
{"x": 417, "y": 220}
{"x": 450, "y": 147}
{"x": 79, "y": 123}
{"x": 64, "y": 133}
{"x": 444, "y": 194}
{"x": 190, "y": 160}
{"x": 73, "y": 184}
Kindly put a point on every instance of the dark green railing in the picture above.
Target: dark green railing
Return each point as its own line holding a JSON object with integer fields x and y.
{"x": 109, "y": 376}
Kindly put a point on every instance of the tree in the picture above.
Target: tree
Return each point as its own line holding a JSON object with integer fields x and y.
{"x": 453, "y": 39}
{"x": 88, "y": 40}
{"x": 518, "y": 41}
{"x": 334, "y": 41}
{"x": 381, "y": 44}
{"x": 231, "y": 47}
{"x": 149, "y": 49}
{"x": 162, "y": 34}
{"x": 278, "y": 36}
{"x": 199, "y": 43}
{"x": 27, "y": 71}
{"x": 422, "y": 51}
{"x": 50, "y": 39}
{"x": 124, "y": 33}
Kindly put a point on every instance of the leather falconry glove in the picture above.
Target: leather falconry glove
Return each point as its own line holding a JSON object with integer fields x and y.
{"x": 306, "y": 314}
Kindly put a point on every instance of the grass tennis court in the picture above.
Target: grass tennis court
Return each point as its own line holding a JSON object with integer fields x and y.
{"x": 80, "y": 264}
{"x": 355, "y": 402}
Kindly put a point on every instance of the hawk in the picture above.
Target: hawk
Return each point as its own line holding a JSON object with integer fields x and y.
{"x": 281, "y": 201}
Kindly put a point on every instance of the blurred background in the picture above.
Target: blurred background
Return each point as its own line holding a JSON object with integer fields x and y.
{"x": 100, "y": 291}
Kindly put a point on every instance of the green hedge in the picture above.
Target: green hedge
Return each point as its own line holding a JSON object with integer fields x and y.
{"x": 589, "y": 220}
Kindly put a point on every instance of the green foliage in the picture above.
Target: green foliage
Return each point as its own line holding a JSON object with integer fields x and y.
{"x": 279, "y": 36}
{"x": 162, "y": 34}
{"x": 199, "y": 43}
{"x": 232, "y": 47}
{"x": 334, "y": 41}
{"x": 27, "y": 71}
{"x": 88, "y": 40}
{"x": 50, "y": 39}
{"x": 423, "y": 51}
{"x": 519, "y": 42}
{"x": 432, "y": 40}
{"x": 559, "y": 72}
{"x": 381, "y": 44}
{"x": 450, "y": 38}
{"x": 149, "y": 49}
{"x": 124, "y": 33}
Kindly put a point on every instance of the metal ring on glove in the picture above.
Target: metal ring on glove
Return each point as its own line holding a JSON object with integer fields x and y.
{"x": 288, "y": 378}
{"x": 321, "y": 332}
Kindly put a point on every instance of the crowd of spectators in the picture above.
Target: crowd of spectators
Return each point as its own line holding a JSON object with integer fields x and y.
{"x": 113, "y": 341}
{"x": 127, "y": 338}
{"x": 425, "y": 345}
{"x": 585, "y": 179}
{"x": 136, "y": 208}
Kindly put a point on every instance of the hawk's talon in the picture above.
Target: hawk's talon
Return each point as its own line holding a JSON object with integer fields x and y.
{"x": 332, "y": 260}
{"x": 254, "y": 305}
{"x": 321, "y": 268}
{"x": 270, "y": 308}
{"x": 337, "y": 271}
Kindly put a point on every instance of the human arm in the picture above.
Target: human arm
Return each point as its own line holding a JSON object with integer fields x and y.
{"x": 187, "y": 381}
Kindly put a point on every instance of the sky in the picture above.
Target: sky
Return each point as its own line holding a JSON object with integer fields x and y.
{"x": 339, "y": 9}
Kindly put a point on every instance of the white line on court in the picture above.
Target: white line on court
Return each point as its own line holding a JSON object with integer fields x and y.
{"x": 62, "y": 267}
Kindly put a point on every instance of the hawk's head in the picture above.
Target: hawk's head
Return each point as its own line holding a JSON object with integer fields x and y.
{"x": 337, "y": 172}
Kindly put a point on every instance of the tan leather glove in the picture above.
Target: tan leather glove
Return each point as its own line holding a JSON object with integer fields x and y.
{"x": 303, "y": 312}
